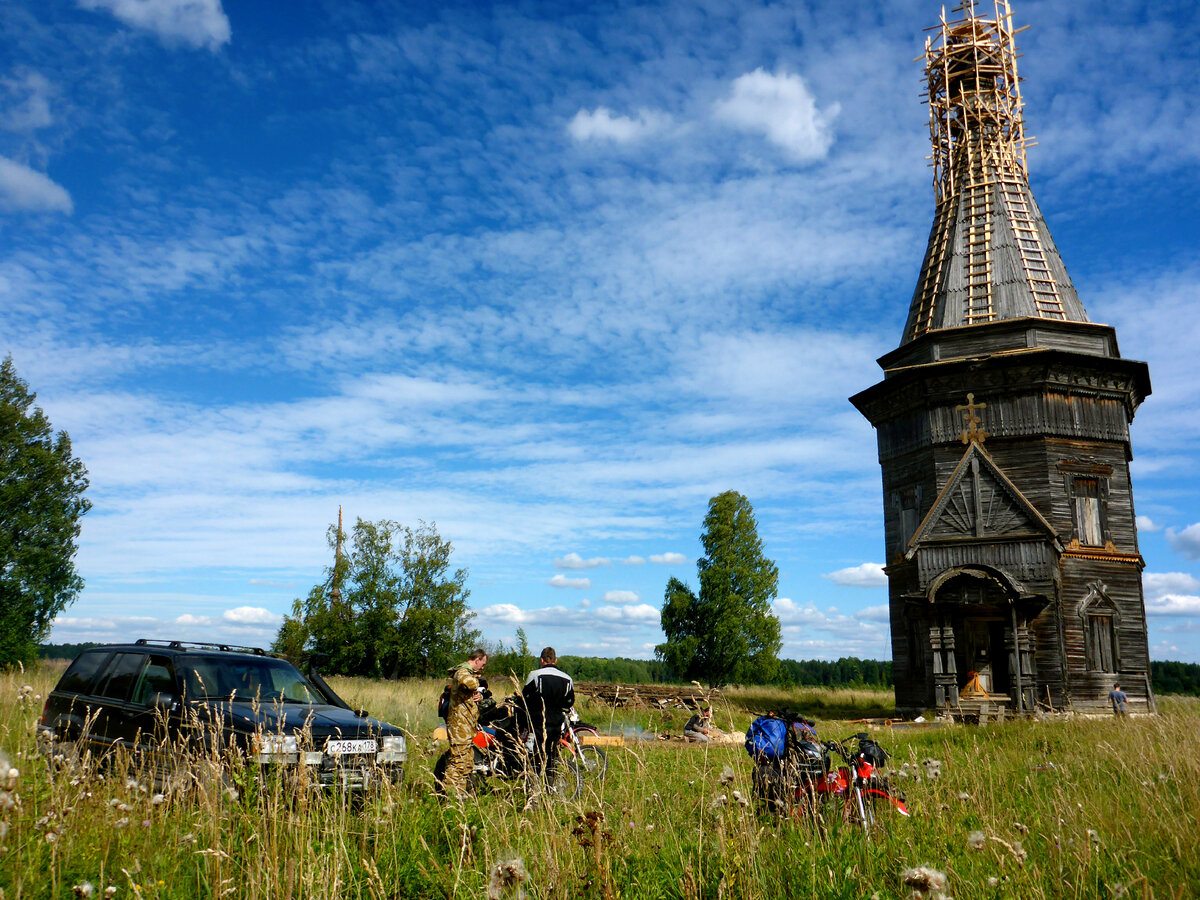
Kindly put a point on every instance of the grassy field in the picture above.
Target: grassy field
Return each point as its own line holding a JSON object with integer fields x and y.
{"x": 1083, "y": 809}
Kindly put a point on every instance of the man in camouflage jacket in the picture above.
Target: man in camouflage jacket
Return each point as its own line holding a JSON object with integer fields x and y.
{"x": 461, "y": 720}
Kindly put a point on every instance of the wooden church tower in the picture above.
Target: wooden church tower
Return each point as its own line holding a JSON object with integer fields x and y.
{"x": 1014, "y": 575}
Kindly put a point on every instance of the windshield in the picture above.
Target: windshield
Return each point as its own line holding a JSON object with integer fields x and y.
{"x": 267, "y": 680}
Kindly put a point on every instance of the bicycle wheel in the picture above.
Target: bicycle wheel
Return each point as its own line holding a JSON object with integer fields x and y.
{"x": 593, "y": 763}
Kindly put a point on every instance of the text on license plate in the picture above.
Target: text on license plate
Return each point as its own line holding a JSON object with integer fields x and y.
{"x": 337, "y": 748}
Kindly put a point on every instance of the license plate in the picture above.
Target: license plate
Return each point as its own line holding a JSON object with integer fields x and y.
{"x": 340, "y": 748}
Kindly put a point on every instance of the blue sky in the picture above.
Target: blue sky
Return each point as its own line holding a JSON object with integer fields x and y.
{"x": 549, "y": 275}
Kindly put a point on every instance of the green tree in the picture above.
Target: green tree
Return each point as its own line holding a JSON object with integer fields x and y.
{"x": 389, "y": 607}
{"x": 41, "y": 503}
{"x": 725, "y": 632}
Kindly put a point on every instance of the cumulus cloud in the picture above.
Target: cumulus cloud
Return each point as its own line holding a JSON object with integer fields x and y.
{"x": 1145, "y": 523}
{"x": 781, "y": 108}
{"x": 621, "y": 597}
{"x": 642, "y": 614}
{"x": 866, "y": 575}
{"x": 1186, "y": 542}
{"x": 668, "y": 559}
{"x": 197, "y": 23}
{"x": 601, "y": 125}
{"x": 563, "y": 581}
{"x": 1171, "y": 594}
{"x": 575, "y": 561}
{"x": 188, "y": 619}
{"x": 24, "y": 188}
{"x": 249, "y": 615}
{"x": 634, "y": 561}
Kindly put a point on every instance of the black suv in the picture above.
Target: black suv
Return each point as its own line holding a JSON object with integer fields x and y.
{"x": 163, "y": 699}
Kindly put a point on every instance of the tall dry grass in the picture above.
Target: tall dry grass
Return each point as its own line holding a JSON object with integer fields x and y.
{"x": 1079, "y": 809}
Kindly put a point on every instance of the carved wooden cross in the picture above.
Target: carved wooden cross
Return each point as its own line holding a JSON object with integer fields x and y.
{"x": 972, "y": 432}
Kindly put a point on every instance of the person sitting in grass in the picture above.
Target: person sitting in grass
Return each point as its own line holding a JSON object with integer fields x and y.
{"x": 699, "y": 727}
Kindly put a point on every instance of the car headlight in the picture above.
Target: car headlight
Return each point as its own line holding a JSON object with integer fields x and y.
{"x": 393, "y": 749}
{"x": 276, "y": 748}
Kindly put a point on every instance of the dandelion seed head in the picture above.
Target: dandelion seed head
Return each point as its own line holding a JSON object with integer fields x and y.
{"x": 924, "y": 879}
{"x": 976, "y": 840}
{"x": 157, "y": 799}
{"x": 505, "y": 878}
{"x": 121, "y": 822}
{"x": 83, "y": 890}
{"x": 727, "y": 774}
{"x": 1023, "y": 829}
{"x": 110, "y": 891}
{"x": 1093, "y": 836}
{"x": 964, "y": 796}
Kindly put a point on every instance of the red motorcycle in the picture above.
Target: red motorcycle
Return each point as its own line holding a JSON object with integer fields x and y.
{"x": 804, "y": 784}
{"x": 501, "y": 751}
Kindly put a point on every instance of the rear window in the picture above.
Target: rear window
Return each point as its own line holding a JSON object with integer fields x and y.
{"x": 79, "y": 676}
{"x": 123, "y": 672}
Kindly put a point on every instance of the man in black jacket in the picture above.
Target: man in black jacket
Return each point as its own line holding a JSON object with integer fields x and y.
{"x": 549, "y": 693}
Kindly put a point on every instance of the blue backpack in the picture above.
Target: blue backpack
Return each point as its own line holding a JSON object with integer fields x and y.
{"x": 767, "y": 739}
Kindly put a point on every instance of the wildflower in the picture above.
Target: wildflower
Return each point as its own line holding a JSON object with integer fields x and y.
{"x": 110, "y": 891}
{"x": 83, "y": 890}
{"x": 506, "y": 876}
{"x": 157, "y": 800}
{"x": 145, "y": 823}
{"x": 740, "y": 800}
{"x": 924, "y": 879}
{"x": 976, "y": 840}
{"x": 993, "y": 881}
{"x": 121, "y": 822}
{"x": 726, "y": 775}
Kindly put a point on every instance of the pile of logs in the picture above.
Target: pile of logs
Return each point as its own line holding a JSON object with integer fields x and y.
{"x": 649, "y": 695}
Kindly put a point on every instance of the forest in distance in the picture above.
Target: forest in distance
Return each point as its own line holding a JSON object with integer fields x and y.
{"x": 1168, "y": 677}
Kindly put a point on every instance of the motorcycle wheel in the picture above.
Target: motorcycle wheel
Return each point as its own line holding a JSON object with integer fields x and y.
{"x": 593, "y": 762}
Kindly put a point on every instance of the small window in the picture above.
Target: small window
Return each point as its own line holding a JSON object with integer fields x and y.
{"x": 79, "y": 677}
{"x": 123, "y": 674}
{"x": 1087, "y": 512}
{"x": 1102, "y": 643}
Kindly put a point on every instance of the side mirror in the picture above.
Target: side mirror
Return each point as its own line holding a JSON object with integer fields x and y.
{"x": 163, "y": 702}
{"x": 362, "y": 714}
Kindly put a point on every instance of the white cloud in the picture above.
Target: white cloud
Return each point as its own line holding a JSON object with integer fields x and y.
{"x": 642, "y": 613}
{"x": 199, "y": 23}
{"x": 865, "y": 575}
{"x": 874, "y": 614}
{"x": 1145, "y": 523}
{"x": 621, "y": 597}
{"x": 601, "y": 124}
{"x": 575, "y": 561}
{"x": 562, "y": 581}
{"x": 29, "y": 107}
{"x": 23, "y": 188}
{"x": 1156, "y": 584}
{"x": 668, "y": 559}
{"x": 633, "y": 561}
{"x": 250, "y": 615}
{"x": 1171, "y": 594}
{"x": 1186, "y": 542}
{"x": 781, "y": 108}
{"x": 188, "y": 619}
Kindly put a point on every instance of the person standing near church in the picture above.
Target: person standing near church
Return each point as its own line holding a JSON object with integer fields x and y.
{"x": 465, "y": 694}
{"x": 549, "y": 694}
{"x": 1119, "y": 701}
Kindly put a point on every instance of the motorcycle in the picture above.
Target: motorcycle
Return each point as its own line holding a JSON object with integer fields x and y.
{"x": 592, "y": 761}
{"x": 502, "y": 749}
{"x": 804, "y": 783}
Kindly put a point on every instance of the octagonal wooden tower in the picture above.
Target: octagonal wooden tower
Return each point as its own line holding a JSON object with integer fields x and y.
{"x": 1003, "y": 417}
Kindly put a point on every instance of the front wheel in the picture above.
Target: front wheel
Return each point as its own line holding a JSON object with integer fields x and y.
{"x": 593, "y": 762}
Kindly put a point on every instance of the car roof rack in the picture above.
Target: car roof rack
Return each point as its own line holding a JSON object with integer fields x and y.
{"x": 198, "y": 645}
